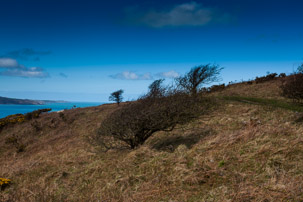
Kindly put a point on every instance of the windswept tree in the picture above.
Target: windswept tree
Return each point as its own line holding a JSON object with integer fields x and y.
{"x": 300, "y": 68}
{"x": 156, "y": 89}
{"x": 116, "y": 96}
{"x": 199, "y": 76}
{"x": 132, "y": 124}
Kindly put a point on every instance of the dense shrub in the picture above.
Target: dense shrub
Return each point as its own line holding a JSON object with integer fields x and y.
{"x": 11, "y": 119}
{"x": 161, "y": 109}
{"x": 132, "y": 124}
{"x": 36, "y": 126}
{"x": 36, "y": 113}
{"x": 156, "y": 89}
{"x": 292, "y": 87}
{"x": 19, "y": 118}
{"x": 216, "y": 88}
{"x": 268, "y": 77}
{"x": 15, "y": 142}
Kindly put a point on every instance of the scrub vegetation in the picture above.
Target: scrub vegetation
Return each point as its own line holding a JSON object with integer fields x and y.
{"x": 240, "y": 143}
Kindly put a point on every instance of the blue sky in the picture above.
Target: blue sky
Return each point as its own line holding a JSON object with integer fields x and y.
{"x": 84, "y": 50}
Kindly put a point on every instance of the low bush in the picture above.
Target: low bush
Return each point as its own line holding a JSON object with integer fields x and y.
{"x": 36, "y": 126}
{"x": 216, "y": 88}
{"x": 15, "y": 142}
{"x": 268, "y": 77}
{"x": 135, "y": 122}
{"x": 19, "y": 118}
{"x": 12, "y": 119}
{"x": 292, "y": 87}
{"x": 4, "y": 183}
{"x": 36, "y": 113}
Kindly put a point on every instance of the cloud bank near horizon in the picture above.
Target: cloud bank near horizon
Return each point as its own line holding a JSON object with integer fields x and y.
{"x": 170, "y": 74}
{"x": 129, "y": 75}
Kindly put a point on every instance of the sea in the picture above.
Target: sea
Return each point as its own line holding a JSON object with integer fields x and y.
{"x": 6, "y": 110}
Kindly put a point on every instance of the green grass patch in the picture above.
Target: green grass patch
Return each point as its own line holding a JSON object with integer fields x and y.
{"x": 266, "y": 102}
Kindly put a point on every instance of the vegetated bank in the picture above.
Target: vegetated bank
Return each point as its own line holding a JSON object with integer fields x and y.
{"x": 240, "y": 151}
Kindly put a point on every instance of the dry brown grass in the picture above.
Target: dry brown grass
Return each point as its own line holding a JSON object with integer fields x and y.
{"x": 269, "y": 89}
{"x": 240, "y": 152}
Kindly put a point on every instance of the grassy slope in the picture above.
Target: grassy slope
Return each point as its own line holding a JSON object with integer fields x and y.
{"x": 240, "y": 152}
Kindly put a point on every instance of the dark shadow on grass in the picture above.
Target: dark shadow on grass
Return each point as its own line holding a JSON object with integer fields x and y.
{"x": 172, "y": 142}
{"x": 266, "y": 102}
{"x": 298, "y": 118}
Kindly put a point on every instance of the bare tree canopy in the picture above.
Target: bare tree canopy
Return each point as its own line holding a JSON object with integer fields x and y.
{"x": 300, "y": 68}
{"x": 156, "y": 89}
{"x": 116, "y": 96}
{"x": 198, "y": 76}
{"x": 132, "y": 124}
{"x": 161, "y": 109}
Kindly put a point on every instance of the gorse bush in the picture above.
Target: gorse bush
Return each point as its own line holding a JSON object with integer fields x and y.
{"x": 19, "y": 118}
{"x": 36, "y": 113}
{"x": 10, "y": 120}
{"x": 4, "y": 183}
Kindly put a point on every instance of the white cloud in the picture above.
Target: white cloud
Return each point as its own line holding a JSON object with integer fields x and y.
{"x": 128, "y": 75}
{"x": 171, "y": 74}
{"x": 187, "y": 14}
{"x": 32, "y": 72}
{"x": 8, "y": 63}
{"x": 13, "y": 68}
{"x": 146, "y": 76}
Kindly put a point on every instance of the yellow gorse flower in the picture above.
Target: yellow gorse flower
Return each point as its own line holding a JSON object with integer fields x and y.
{"x": 4, "y": 181}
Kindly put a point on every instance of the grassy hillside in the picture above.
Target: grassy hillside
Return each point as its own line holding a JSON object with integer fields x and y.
{"x": 250, "y": 148}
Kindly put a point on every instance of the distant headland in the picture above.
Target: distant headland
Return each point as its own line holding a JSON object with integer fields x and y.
{"x": 15, "y": 101}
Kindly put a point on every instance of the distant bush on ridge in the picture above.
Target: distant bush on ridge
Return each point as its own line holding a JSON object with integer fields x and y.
{"x": 268, "y": 77}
